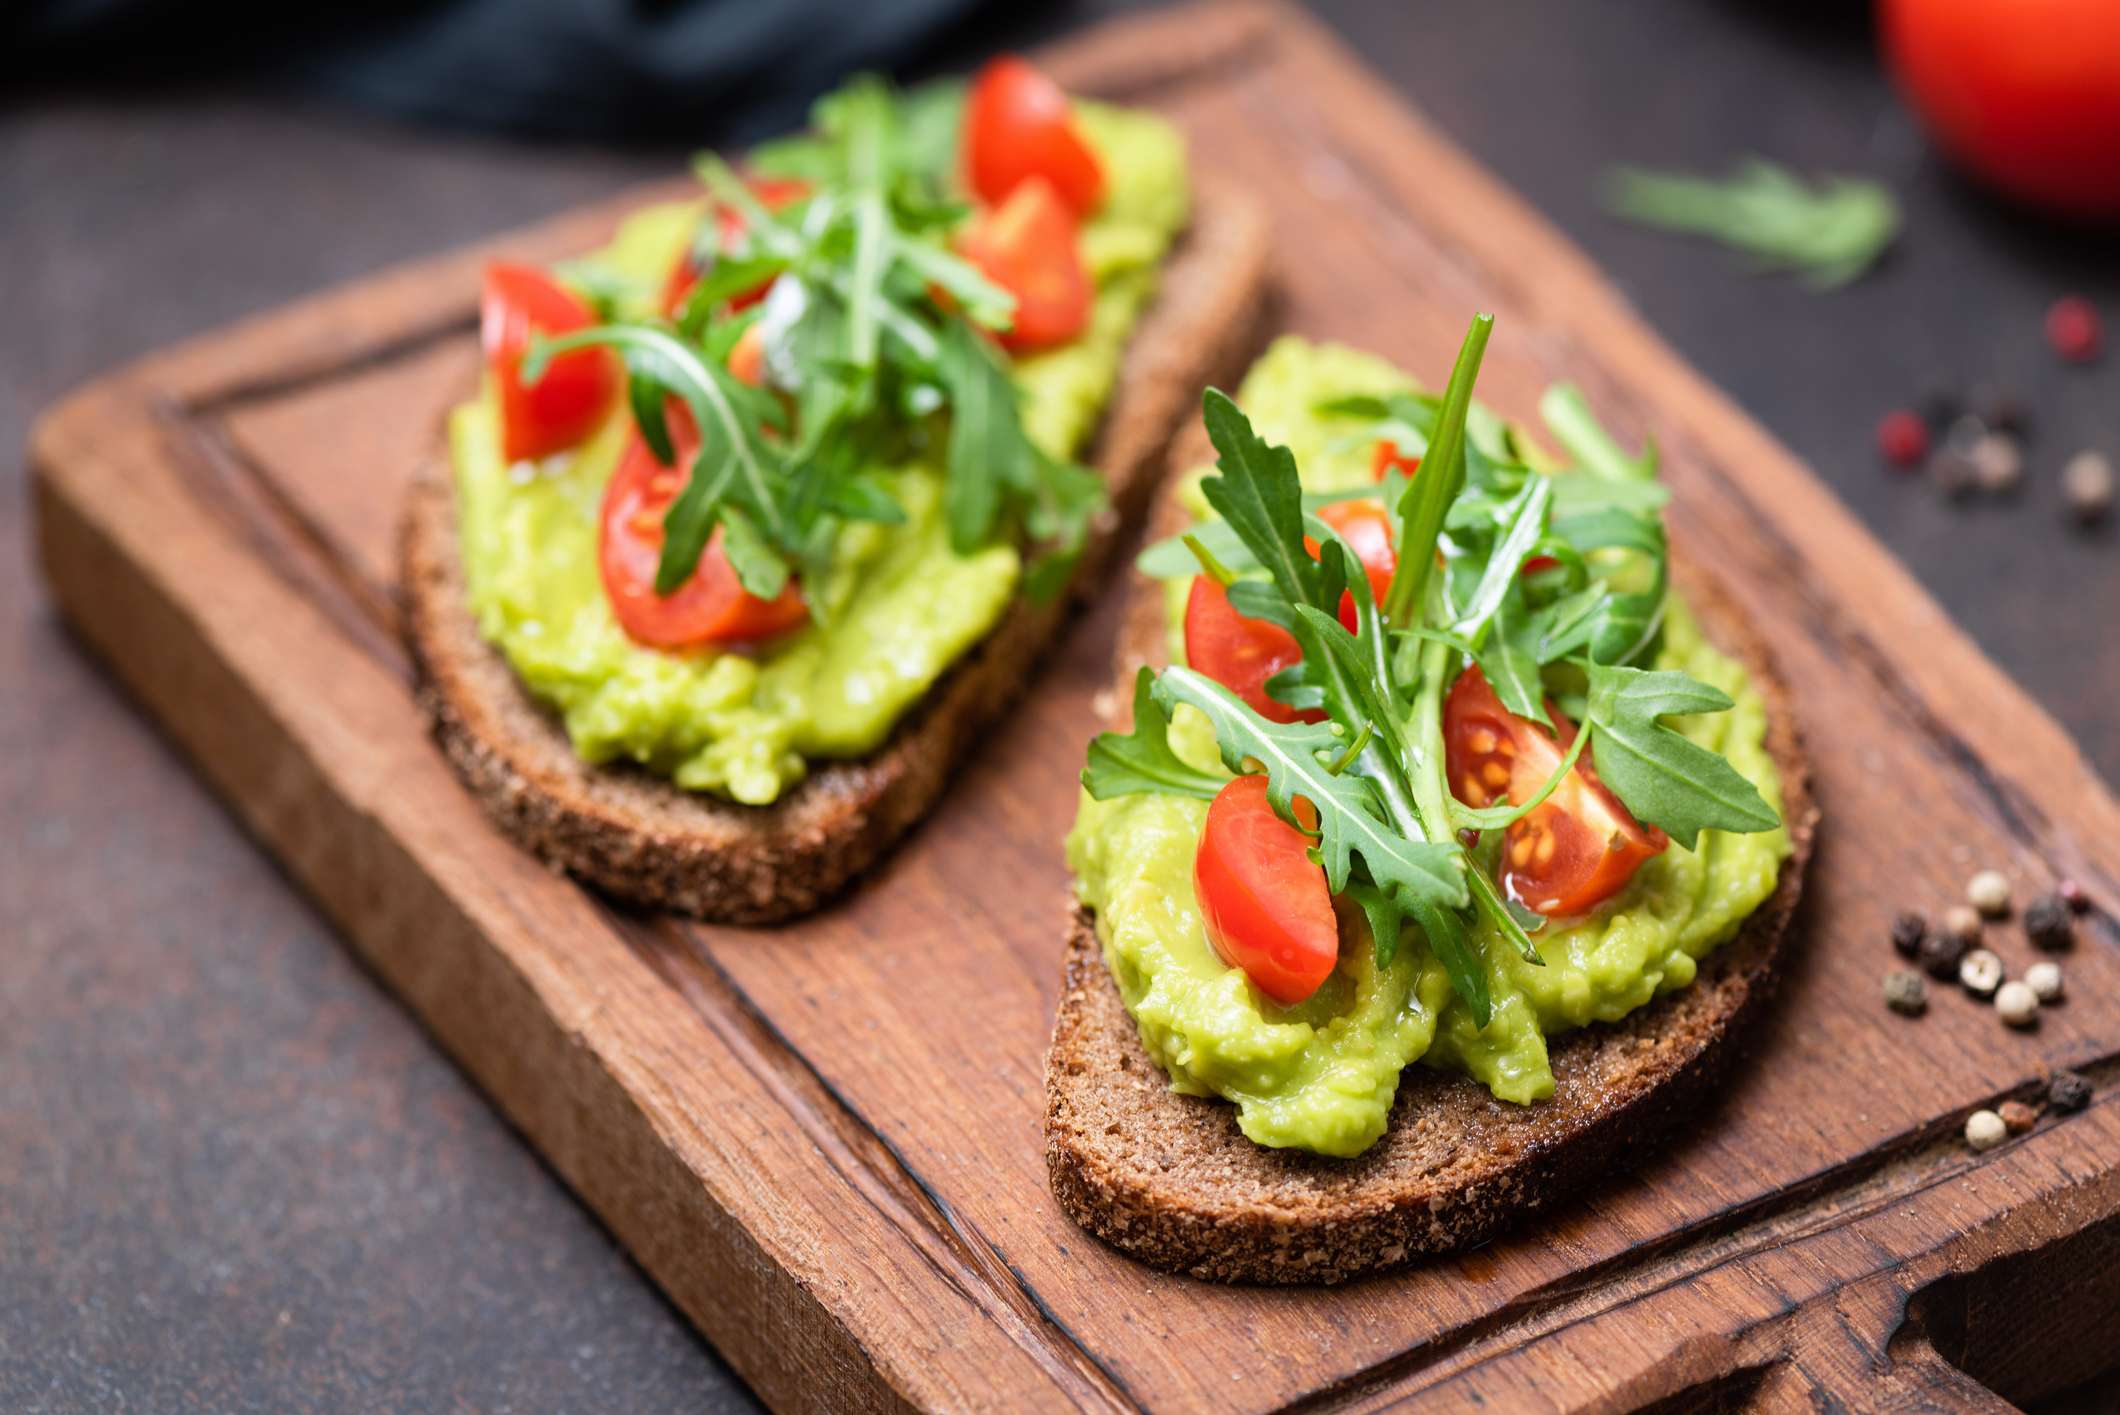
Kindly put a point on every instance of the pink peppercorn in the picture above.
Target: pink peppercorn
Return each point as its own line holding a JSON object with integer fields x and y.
{"x": 2073, "y": 329}
{"x": 1903, "y": 438}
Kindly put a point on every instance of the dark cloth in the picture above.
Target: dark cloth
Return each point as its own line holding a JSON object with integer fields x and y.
{"x": 613, "y": 71}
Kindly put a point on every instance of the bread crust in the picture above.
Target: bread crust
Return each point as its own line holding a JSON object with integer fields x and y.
{"x": 1169, "y": 1179}
{"x": 639, "y": 836}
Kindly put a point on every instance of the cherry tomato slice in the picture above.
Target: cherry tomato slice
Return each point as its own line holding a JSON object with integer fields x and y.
{"x": 1385, "y": 455}
{"x": 1239, "y": 653}
{"x": 1027, "y": 246}
{"x": 521, "y": 304}
{"x": 1263, "y": 900}
{"x": 773, "y": 193}
{"x": 1363, "y": 525}
{"x": 711, "y": 607}
{"x": 1018, "y": 124}
{"x": 1581, "y": 846}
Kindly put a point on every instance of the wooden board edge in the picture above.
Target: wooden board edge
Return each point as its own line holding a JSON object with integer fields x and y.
{"x": 568, "y": 1069}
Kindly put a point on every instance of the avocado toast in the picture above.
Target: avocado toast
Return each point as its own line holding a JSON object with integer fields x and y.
{"x": 1333, "y": 1162}
{"x": 653, "y": 777}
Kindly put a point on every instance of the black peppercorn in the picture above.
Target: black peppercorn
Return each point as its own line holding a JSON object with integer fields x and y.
{"x": 1940, "y": 953}
{"x": 2046, "y": 922}
{"x": 1907, "y": 931}
{"x": 2068, "y": 1092}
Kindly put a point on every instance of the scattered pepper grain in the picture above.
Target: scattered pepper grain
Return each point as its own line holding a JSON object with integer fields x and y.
{"x": 1903, "y": 437}
{"x": 1984, "y": 1130}
{"x": 1962, "y": 922}
{"x": 1952, "y": 472}
{"x": 2017, "y": 1003}
{"x": 2074, "y": 330}
{"x": 2072, "y": 895}
{"x": 1940, "y": 952}
{"x": 2068, "y": 1092}
{"x": 2047, "y": 923}
{"x": 2087, "y": 486}
{"x": 1998, "y": 462}
{"x": 1980, "y": 972}
{"x": 2044, "y": 979}
{"x": 1906, "y": 994}
{"x": 1907, "y": 932}
{"x": 1989, "y": 892}
{"x": 2017, "y": 1117}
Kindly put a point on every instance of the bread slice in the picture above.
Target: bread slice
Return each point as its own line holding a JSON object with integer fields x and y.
{"x": 639, "y": 836}
{"x": 1169, "y": 1179}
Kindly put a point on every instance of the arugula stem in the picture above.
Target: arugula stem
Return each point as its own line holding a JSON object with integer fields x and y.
{"x": 1567, "y": 416}
{"x": 1427, "y": 500}
{"x": 1490, "y": 902}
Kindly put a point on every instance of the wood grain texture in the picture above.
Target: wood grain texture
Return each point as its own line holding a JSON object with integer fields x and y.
{"x": 824, "y": 1140}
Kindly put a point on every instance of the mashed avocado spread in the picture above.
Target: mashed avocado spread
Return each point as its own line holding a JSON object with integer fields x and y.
{"x": 1321, "y": 1075}
{"x": 900, "y": 605}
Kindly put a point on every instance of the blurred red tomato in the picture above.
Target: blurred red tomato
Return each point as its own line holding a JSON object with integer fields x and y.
{"x": 2024, "y": 93}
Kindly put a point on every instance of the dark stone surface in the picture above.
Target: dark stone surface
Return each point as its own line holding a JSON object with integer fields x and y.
{"x": 234, "y": 1175}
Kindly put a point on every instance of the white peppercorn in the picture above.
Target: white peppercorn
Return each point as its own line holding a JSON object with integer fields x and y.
{"x": 1906, "y": 994}
{"x": 1998, "y": 462}
{"x": 2087, "y": 485}
{"x": 1984, "y": 1130}
{"x": 2044, "y": 979}
{"x": 1980, "y": 972}
{"x": 1962, "y": 923}
{"x": 1989, "y": 892}
{"x": 2017, "y": 1003}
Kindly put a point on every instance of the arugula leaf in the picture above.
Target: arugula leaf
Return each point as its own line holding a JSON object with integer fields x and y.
{"x": 1763, "y": 210}
{"x": 1428, "y": 497}
{"x": 1142, "y": 760}
{"x": 1172, "y": 559}
{"x": 1448, "y": 938}
{"x": 1526, "y": 523}
{"x": 1567, "y": 416}
{"x": 1259, "y": 495}
{"x": 987, "y": 450}
{"x": 1348, "y": 823}
{"x": 1662, "y": 777}
{"x": 1510, "y": 660}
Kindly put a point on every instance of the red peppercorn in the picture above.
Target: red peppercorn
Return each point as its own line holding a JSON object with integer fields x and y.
{"x": 2073, "y": 329}
{"x": 1903, "y": 438}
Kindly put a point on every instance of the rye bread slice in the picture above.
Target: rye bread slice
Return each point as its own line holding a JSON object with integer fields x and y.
{"x": 638, "y": 836}
{"x": 1169, "y": 1179}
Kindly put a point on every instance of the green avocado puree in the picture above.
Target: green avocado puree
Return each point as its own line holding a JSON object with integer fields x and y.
{"x": 900, "y": 605}
{"x": 1321, "y": 1075}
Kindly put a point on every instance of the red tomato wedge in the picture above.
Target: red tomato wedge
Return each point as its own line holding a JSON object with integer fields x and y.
{"x": 1262, "y": 898}
{"x": 747, "y": 361}
{"x": 1385, "y": 456}
{"x": 1581, "y": 846}
{"x": 520, "y": 305}
{"x": 773, "y": 194}
{"x": 711, "y": 607}
{"x": 1239, "y": 653}
{"x": 1363, "y": 525}
{"x": 1027, "y": 246}
{"x": 1018, "y": 124}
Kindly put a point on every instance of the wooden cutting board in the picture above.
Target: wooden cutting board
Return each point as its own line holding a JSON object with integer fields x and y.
{"x": 824, "y": 1140}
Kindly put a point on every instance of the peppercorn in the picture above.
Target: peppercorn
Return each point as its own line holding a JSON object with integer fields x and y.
{"x": 2017, "y": 1117}
{"x": 1998, "y": 408}
{"x": 2017, "y": 1003}
{"x": 1962, "y": 922}
{"x": 1980, "y": 972}
{"x": 2073, "y": 329}
{"x": 1940, "y": 952}
{"x": 1903, "y": 437}
{"x": 1998, "y": 462}
{"x": 1907, "y": 932}
{"x": 1989, "y": 892}
{"x": 1984, "y": 1130}
{"x": 1951, "y": 472}
{"x": 2068, "y": 1092}
{"x": 2087, "y": 486}
{"x": 1906, "y": 994}
{"x": 2044, "y": 979}
{"x": 2047, "y": 923}
{"x": 2072, "y": 895}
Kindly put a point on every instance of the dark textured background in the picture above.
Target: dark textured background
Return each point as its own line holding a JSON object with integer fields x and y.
{"x": 234, "y": 1176}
